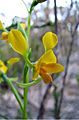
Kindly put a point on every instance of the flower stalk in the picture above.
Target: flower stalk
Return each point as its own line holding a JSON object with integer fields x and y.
{"x": 27, "y": 85}
{"x": 26, "y": 80}
{"x": 6, "y": 79}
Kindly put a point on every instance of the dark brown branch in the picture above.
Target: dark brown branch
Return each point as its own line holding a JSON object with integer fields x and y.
{"x": 42, "y": 109}
{"x": 66, "y": 69}
{"x": 55, "y": 13}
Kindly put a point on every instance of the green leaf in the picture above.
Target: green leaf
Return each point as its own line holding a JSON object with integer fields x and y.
{"x": 13, "y": 79}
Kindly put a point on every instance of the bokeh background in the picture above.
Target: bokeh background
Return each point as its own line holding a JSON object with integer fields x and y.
{"x": 62, "y": 18}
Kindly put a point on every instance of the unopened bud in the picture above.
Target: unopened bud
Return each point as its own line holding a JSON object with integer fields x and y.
{"x": 40, "y": 1}
{"x": 34, "y": 3}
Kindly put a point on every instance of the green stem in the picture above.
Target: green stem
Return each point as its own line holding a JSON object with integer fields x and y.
{"x": 34, "y": 3}
{"x": 13, "y": 90}
{"x": 28, "y": 62}
{"x": 26, "y": 80}
{"x": 29, "y": 16}
{"x": 22, "y": 85}
{"x": 26, "y": 72}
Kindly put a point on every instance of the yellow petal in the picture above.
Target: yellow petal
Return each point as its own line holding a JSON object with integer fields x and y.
{"x": 35, "y": 72}
{"x": 17, "y": 41}
{"x": 35, "y": 75}
{"x": 3, "y": 68}
{"x": 12, "y": 61}
{"x": 49, "y": 40}
{"x": 1, "y": 26}
{"x": 47, "y": 57}
{"x": 53, "y": 68}
{"x": 5, "y": 35}
{"x": 46, "y": 77}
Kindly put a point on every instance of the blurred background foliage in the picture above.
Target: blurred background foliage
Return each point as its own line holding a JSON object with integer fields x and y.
{"x": 64, "y": 21}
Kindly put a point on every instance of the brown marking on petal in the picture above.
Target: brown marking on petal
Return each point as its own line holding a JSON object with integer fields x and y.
{"x": 46, "y": 77}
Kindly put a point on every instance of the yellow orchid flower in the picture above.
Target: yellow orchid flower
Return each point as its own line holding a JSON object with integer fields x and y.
{"x": 1, "y": 26}
{"x": 47, "y": 65}
{"x": 12, "y": 61}
{"x": 17, "y": 41}
{"x": 50, "y": 40}
{"x": 3, "y": 67}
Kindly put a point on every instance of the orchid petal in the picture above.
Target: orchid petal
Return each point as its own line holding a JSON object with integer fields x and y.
{"x": 48, "y": 57}
{"x": 17, "y": 41}
{"x": 53, "y": 68}
{"x": 46, "y": 77}
{"x": 50, "y": 40}
{"x": 12, "y": 61}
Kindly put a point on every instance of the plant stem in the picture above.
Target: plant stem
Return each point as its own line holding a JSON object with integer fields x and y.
{"x": 13, "y": 90}
{"x": 26, "y": 71}
{"x": 22, "y": 85}
{"x": 28, "y": 62}
{"x": 26, "y": 80}
{"x": 42, "y": 105}
{"x": 29, "y": 16}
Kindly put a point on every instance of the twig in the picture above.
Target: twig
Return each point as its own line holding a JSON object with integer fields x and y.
{"x": 66, "y": 69}
{"x": 68, "y": 11}
{"x": 42, "y": 109}
{"x": 55, "y": 13}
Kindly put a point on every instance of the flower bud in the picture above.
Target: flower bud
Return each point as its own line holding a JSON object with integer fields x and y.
{"x": 34, "y": 3}
{"x": 4, "y": 35}
{"x": 40, "y": 1}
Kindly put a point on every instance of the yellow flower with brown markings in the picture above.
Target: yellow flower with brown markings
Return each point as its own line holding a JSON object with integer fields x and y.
{"x": 47, "y": 63}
